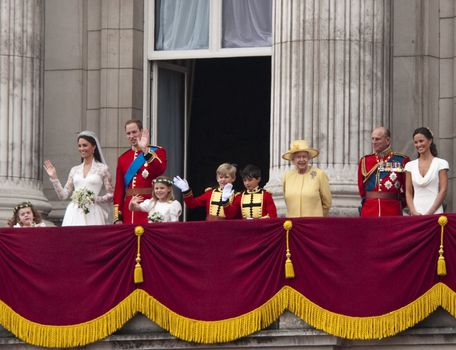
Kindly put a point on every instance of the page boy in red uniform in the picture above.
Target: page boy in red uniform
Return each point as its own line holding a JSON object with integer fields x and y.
{"x": 213, "y": 199}
{"x": 255, "y": 202}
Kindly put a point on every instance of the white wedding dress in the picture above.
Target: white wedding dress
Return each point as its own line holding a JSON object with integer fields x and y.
{"x": 97, "y": 176}
{"x": 426, "y": 187}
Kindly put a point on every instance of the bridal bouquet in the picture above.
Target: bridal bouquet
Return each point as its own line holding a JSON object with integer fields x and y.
{"x": 155, "y": 217}
{"x": 84, "y": 198}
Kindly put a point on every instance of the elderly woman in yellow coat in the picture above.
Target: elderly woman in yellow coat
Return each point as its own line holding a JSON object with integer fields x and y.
{"x": 306, "y": 187}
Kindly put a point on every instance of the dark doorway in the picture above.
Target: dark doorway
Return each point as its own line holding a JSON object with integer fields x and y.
{"x": 229, "y": 120}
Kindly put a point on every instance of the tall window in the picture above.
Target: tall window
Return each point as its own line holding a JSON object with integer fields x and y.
{"x": 246, "y": 23}
{"x": 181, "y": 24}
{"x": 210, "y": 28}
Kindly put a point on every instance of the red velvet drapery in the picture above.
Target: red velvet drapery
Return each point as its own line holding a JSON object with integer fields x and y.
{"x": 225, "y": 278}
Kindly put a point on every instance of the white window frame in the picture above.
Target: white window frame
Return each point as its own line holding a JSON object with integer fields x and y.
{"x": 215, "y": 49}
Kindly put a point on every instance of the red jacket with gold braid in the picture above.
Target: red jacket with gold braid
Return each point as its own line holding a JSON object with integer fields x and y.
{"x": 254, "y": 204}
{"x": 211, "y": 199}
{"x": 140, "y": 184}
{"x": 381, "y": 183}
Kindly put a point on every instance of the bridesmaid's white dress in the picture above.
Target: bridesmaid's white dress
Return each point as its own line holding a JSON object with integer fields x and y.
{"x": 426, "y": 187}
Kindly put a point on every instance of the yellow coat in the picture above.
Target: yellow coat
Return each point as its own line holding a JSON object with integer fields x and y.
{"x": 307, "y": 194}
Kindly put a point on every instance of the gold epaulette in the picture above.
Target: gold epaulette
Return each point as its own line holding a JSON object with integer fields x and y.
{"x": 154, "y": 155}
{"x": 208, "y": 189}
{"x": 400, "y": 154}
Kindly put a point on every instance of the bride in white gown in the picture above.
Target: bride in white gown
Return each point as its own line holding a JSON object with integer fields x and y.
{"x": 426, "y": 177}
{"x": 84, "y": 184}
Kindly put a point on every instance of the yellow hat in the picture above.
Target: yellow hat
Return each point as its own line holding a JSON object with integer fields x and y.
{"x": 300, "y": 146}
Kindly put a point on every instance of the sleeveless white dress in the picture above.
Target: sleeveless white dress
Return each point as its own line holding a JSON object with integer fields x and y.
{"x": 426, "y": 187}
{"x": 97, "y": 176}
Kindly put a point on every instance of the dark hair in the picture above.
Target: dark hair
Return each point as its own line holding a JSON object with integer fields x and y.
{"x": 92, "y": 141}
{"x": 427, "y": 134}
{"x": 15, "y": 220}
{"x": 135, "y": 121}
{"x": 251, "y": 171}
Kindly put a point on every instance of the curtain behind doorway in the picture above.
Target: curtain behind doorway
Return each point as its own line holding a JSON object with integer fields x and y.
{"x": 171, "y": 118}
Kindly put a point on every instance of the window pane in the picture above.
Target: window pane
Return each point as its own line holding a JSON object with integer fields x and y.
{"x": 247, "y": 23}
{"x": 181, "y": 24}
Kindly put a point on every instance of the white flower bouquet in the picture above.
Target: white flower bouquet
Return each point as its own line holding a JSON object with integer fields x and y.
{"x": 155, "y": 217}
{"x": 83, "y": 198}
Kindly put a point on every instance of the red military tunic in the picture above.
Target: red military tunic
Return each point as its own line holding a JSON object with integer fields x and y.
{"x": 211, "y": 199}
{"x": 140, "y": 184}
{"x": 381, "y": 183}
{"x": 254, "y": 204}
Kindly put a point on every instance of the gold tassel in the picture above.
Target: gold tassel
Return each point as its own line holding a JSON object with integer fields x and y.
{"x": 289, "y": 269}
{"x": 138, "y": 276}
{"x": 441, "y": 264}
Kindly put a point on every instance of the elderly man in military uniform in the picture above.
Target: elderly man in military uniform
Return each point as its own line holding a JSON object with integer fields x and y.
{"x": 381, "y": 177}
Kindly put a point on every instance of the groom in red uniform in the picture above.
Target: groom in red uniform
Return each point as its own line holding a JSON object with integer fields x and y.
{"x": 136, "y": 170}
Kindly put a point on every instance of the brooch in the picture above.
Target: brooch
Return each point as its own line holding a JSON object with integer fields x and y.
{"x": 145, "y": 173}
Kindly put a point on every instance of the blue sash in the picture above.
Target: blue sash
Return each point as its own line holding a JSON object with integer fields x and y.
{"x": 134, "y": 167}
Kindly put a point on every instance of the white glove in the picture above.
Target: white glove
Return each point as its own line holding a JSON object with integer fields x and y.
{"x": 227, "y": 192}
{"x": 181, "y": 184}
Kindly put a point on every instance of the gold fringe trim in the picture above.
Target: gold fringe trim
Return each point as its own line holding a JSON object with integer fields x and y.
{"x": 373, "y": 327}
{"x": 448, "y": 299}
{"x": 192, "y": 330}
{"x": 72, "y": 335}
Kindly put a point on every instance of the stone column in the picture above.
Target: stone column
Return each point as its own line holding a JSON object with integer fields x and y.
{"x": 330, "y": 86}
{"x": 20, "y": 105}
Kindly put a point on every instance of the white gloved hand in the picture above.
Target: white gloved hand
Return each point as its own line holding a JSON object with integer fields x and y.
{"x": 181, "y": 184}
{"x": 227, "y": 192}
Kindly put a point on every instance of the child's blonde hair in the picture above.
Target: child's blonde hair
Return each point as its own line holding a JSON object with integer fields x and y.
{"x": 227, "y": 169}
{"x": 166, "y": 181}
{"x": 15, "y": 218}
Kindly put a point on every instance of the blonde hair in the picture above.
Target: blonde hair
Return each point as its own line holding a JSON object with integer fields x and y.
{"x": 166, "y": 181}
{"x": 227, "y": 169}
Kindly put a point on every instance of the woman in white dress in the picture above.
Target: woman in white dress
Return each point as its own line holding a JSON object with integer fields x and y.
{"x": 84, "y": 184}
{"x": 162, "y": 207}
{"x": 426, "y": 177}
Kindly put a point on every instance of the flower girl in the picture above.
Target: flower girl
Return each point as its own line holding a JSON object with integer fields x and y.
{"x": 25, "y": 215}
{"x": 161, "y": 207}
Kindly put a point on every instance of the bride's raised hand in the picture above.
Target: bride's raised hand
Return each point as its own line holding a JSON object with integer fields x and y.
{"x": 50, "y": 169}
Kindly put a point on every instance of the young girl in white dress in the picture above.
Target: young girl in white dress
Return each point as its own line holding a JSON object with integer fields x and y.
{"x": 25, "y": 215}
{"x": 84, "y": 184}
{"x": 161, "y": 207}
{"x": 426, "y": 177}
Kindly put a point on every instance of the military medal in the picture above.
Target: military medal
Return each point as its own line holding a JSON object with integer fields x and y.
{"x": 145, "y": 173}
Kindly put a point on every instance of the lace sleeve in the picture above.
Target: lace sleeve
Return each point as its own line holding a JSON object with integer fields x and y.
{"x": 64, "y": 192}
{"x": 107, "y": 181}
